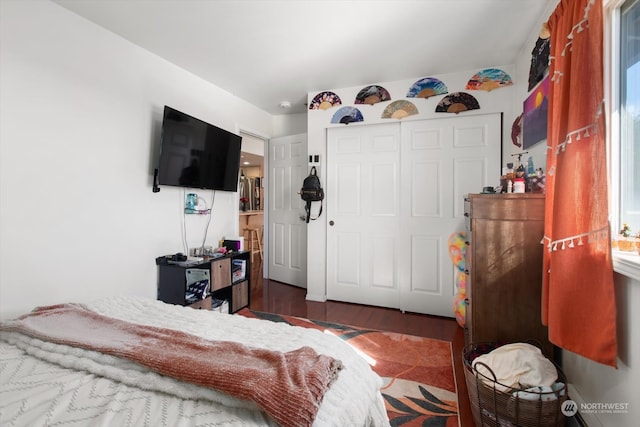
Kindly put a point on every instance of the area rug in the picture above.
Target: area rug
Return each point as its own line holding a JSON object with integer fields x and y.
{"x": 419, "y": 384}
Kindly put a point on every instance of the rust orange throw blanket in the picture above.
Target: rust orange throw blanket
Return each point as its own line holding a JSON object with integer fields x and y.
{"x": 287, "y": 386}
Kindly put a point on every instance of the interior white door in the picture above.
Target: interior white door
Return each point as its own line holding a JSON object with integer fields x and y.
{"x": 395, "y": 193}
{"x": 287, "y": 255}
{"x": 443, "y": 160}
{"x": 363, "y": 195}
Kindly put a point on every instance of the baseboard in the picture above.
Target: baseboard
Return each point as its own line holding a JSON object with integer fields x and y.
{"x": 316, "y": 298}
{"x": 580, "y": 419}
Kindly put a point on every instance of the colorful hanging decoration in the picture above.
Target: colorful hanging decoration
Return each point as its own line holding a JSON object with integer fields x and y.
{"x": 489, "y": 79}
{"x": 347, "y": 115}
{"x": 399, "y": 110}
{"x": 324, "y": 101}
{"x": 372, "y": 95}
{"x": 457, "y": 102}
{"x": 427, "y": 87}
{"x": 516, "y": 131}
{"x": 457, "y": 251}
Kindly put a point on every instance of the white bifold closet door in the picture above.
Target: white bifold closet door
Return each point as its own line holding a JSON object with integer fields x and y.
{"x": 394, "y": 194}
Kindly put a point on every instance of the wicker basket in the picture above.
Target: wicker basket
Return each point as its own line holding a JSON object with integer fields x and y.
{"x": 497, "y": 405}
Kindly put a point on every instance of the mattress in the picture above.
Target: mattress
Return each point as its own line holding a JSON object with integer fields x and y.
{"x": 43, "y": 383}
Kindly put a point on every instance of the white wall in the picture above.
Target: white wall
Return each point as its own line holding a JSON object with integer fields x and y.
{"x": 81, "y": 110}
{"x": 289, "y": 124}
{"x": 595, "y": 383}
{"x": 496, "y": 101}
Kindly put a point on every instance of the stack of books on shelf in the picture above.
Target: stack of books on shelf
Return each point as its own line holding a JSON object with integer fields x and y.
{"x": 238, "y": 270}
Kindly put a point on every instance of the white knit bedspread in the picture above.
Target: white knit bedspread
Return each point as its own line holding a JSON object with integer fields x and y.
{"x": 48, "y": 384}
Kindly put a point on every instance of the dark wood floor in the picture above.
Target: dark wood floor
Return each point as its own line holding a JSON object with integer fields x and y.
{"x": 279, "y": 298}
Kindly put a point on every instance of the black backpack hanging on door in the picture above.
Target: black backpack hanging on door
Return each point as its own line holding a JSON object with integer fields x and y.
{"x": 312, "y": 192}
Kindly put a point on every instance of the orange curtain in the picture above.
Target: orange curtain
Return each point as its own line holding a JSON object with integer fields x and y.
{"x": 578, "y": 295}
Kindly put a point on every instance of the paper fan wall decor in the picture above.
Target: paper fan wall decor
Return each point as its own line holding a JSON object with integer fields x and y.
{"x": 372, "y": 95}
{"x": 324, "y": 101}
{"x": 516, "y": 131}
{"x": 489, "y": 79}
{"x": 427, "y": 87}
{"x": 399, "y": 110}
{"x": 457, "y": 102}
{"x": 347, "y": 115}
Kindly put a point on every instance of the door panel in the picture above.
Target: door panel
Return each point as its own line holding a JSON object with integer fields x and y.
{"x": 425, "y": 265}
{"x": 347, "y": 273}
{"x": 362, "y": 195}
{"x": 348, "y": 193}
{"x": 426, "y": 181}
{"x": 467, "y": 173}
{"x": 444, "y": 160}
{"x": 383, "y": 268}
{"x": 287, "y": 231}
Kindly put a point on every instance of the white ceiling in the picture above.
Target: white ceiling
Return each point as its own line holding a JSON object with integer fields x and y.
{"x": 268, "y": 51}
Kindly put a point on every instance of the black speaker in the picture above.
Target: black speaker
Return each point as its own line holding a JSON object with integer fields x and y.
{"x": 179, "y": 257}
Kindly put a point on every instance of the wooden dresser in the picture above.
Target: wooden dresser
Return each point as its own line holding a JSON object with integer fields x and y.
{"x": 504, "y": 266}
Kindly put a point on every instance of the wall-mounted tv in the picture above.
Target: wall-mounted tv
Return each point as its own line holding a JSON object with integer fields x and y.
{"x": 196, "y": 154}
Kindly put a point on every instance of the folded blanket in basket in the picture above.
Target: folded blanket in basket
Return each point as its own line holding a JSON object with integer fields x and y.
{"x": 517, "y": 365}
{"x": 543, "y": 393}
{"x": 288, "y": 386}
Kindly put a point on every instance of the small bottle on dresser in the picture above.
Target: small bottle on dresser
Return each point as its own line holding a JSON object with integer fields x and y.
{"x": 518, "y": 185}
{"x": 510, "y": 173}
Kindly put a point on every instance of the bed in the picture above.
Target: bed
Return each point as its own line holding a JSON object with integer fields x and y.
{"x": 45, "y": 380}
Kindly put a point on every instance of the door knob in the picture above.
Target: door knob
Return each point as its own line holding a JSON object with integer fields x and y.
{"x": 331, "y": 223}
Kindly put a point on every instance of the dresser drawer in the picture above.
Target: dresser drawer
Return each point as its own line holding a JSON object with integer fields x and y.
{"x": 220, "y": 274}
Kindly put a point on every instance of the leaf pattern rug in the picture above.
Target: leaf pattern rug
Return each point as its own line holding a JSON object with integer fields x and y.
{"x": 419, "y": 385}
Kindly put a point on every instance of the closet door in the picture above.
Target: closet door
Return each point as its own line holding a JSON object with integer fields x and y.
{"x": 395, "y": 194}
{"x": 443, "y": 160}
{"x": 363, "y": 195}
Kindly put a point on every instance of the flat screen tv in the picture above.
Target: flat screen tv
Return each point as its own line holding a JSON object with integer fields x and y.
{"x": 196, "y": 154}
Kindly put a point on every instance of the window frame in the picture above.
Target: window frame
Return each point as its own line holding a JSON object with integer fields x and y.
{"x": 625, "y": 263}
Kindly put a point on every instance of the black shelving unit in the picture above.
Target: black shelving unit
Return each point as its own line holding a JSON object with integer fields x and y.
{"x": 229, "y": 280}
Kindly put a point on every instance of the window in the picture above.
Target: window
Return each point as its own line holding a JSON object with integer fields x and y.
{"x": 623, "y": 98}
{"x": 630, "y": 114}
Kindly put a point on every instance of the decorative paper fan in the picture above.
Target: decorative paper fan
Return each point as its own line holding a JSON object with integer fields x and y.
{"x": 489, "y": 79}
{"x": 399, "y": 110}
{"x": 516, "y": 131}
{"x": 457, "y": 102}
{"x": 372, "y": 95}
{"x": 347, "y": 115}
{"x": 427, "y": 87}
{"x": 324, "y": 101}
